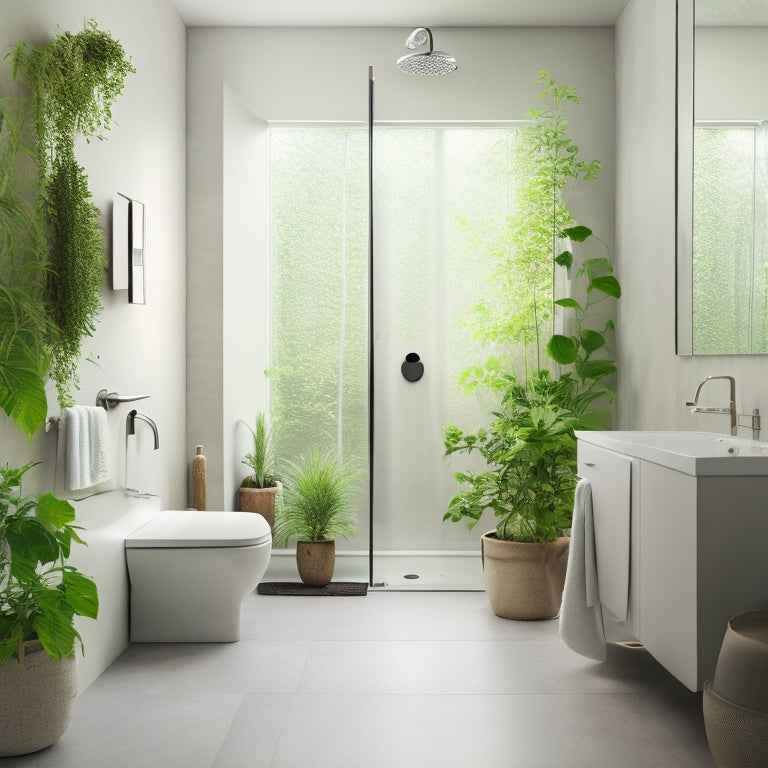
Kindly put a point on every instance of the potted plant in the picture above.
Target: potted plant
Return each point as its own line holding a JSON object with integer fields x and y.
{"x": 318, "y": 507}
{"x": 39, "y": 597}
{"x": 258, "y": 490}
{"x": 529, "y": 447}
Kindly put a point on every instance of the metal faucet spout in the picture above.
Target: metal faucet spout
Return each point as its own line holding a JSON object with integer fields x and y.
{"x": 730, "y": 410}
{"x": 130, "y": 427}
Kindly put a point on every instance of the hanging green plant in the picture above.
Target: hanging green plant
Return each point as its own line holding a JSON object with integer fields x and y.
{"x": 74, "y": 81}
{"x": 25, "y": 327}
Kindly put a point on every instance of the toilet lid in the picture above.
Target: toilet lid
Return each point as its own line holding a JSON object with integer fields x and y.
{"x": 192, "y": 528}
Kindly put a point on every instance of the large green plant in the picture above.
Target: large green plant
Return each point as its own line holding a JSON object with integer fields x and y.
{"x": 74, "y": 81}
{"x": 39, "y": 593}
{"x": 318, "y": 499}
{"x": 530, "y": 447}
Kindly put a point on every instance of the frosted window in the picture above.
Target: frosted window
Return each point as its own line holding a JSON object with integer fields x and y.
{"x": 441, "y": 198}
{"x": 729, "y": 225}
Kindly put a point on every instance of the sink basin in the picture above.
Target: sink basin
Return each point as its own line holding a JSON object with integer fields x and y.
{"x": 695, "y": 453}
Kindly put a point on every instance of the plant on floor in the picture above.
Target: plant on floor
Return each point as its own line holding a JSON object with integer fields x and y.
{"x": 40, "y": 594}
{"x": 318, "y": 499}
{"x": 318, "y": 507}
{"x": 529, "y": 447}
{"x": 74, "y": 81}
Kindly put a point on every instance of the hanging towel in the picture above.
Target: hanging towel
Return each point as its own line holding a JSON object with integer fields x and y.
{"x": 581, "y": 616}
{"x": 83, "y": 446}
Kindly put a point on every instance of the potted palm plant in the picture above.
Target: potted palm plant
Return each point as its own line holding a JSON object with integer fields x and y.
{"x": 318, "y": 507}
{"x": 258, "y": 491}
{"x": 529, "y": 447}
{"x": 39, "y": 597}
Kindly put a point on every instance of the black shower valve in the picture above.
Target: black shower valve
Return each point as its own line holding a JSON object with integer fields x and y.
{"x": 412, "y": 367}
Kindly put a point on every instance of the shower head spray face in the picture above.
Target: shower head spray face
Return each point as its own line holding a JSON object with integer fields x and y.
{"x": 428, "y": 63}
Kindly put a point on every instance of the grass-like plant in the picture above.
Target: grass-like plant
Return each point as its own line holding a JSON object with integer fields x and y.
{"x": 261, "y": 460}
{"x": 39, "y": 593}
{"x": 318, "y": 502}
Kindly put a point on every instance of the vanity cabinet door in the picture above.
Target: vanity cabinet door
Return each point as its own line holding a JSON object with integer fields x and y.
{"x": 610, "y": 475}
{"x": 668, "y": 570}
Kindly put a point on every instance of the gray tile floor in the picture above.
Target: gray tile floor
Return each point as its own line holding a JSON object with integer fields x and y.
{"x": 394, "y": 679}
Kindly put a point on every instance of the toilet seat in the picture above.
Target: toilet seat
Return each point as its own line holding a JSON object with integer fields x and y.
{"x": 177, "y": 529}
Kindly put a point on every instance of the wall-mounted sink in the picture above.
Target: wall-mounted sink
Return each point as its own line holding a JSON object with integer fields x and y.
{"x": 695, "y": 453}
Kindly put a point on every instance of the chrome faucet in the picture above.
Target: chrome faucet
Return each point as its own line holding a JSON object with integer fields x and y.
{"x": 730, "y": 410}
{"x": 130, "y": 428}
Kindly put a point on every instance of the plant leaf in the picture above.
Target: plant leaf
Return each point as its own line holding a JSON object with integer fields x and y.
{"x": 568, "y": 302}
{"x": 578, "y": 233}
{"x": 81, "y": 593}
{"x": 562, "y": 349}
{"x": 607, "y": 284}
{"x": 591, "y": 340}
{"x": 596, "y": 369}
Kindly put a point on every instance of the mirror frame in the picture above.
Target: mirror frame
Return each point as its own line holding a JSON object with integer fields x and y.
{"x": 684, "y": 177}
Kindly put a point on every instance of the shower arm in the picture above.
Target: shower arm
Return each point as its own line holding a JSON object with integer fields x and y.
{"x": 412, "y": 43}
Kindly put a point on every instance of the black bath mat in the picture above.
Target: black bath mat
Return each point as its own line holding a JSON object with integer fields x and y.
{"x": 354, "y": 588}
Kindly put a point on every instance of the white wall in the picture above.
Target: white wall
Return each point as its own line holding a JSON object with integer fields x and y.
{"x": 654, "y": 382}
{"x": 730, "y": 73}
{"x": 322, "y": 74}
{"x": 139, "y": 349}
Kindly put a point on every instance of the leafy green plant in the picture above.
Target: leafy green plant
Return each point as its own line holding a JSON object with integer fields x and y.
{"x": 24, "y": 324}
{"x": 74, "y": 81}
{"x": 23, "y": 358}
{"x": 530, "y": 447}
{"x": 39, "y": 593}
{"x": 530, "y": 454}
{"x": 318, "y": 499}
{"x": 260, "y": 460}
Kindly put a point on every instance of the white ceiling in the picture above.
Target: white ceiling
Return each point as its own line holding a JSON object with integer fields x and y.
{"x": 398, "y": 13}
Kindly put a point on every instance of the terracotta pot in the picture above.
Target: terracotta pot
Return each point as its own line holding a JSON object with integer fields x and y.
{"x": 524, "y": 581}
{"x": 316, "y": 561}
{"x": 259, "y": 500}
{"x": 37, "y": 700}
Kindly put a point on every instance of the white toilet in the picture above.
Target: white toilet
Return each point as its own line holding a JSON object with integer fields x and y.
{"x": 190, "y": 572}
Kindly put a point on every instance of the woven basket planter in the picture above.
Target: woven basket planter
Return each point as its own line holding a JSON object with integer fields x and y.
{"x": 524, "y": 581}
{"x": 259, "y": 500}
{"x": 36, "y": 701}
{"x": 316, "y": 561}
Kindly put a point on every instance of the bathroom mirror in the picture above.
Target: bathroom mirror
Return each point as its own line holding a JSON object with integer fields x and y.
{"x": 722, "y": 177}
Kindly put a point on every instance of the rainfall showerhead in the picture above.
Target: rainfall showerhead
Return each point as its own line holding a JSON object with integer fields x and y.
{"x": 426, "y": 63}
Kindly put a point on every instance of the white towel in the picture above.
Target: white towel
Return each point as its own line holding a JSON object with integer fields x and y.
{"x": 83, "y": 444}
{"x": 581, "y": 616}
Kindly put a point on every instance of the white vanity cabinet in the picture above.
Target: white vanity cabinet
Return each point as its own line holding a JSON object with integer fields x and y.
{"x": 696, "y": 517}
